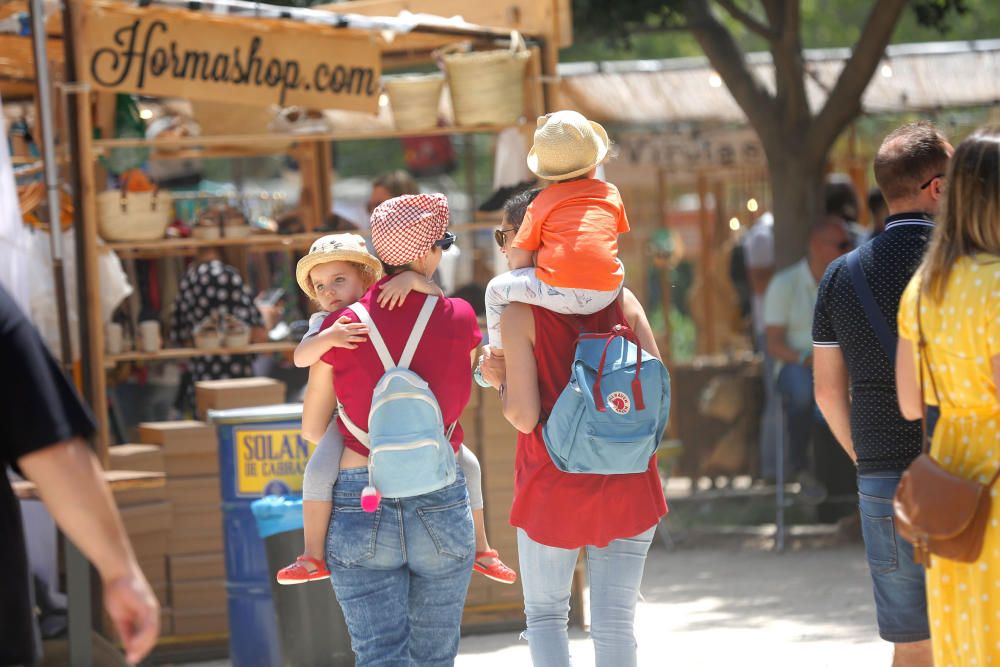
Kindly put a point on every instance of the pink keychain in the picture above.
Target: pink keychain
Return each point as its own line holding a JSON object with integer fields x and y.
{"x": 370, "y": 498}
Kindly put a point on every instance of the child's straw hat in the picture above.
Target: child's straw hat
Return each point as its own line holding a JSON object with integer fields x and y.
{"x": 338, "y": 248}
{"x": 566, "y": 145}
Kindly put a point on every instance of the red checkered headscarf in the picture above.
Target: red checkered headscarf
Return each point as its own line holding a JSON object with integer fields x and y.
{"x": 405, "y": 228}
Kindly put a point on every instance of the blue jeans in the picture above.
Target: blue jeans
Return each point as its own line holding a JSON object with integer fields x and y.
{"x": 795, "y": 386}
{"x": 615, "y": 572}
{"x": 898, "y": 582}
{"x": 401, "y": 573}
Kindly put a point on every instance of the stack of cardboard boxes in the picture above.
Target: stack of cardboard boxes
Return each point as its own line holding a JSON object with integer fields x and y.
{"x": 148, "y": 519}
{"x": 195, "y": 568}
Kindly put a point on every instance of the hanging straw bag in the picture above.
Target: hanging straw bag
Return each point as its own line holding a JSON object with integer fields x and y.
{"x": 936, "y": 511}
{"x": 415, "y": 100}
{"x": 133, "y": 216}
{"x": 487, "y": 87}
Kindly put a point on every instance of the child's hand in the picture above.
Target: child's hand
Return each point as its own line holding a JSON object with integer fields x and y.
{"x": 393, "y": 292}
{"x": 345, "y": 333}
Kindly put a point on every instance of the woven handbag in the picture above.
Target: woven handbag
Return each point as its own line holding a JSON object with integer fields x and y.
{"x": 487, "y": 87}
{"x": 939, "y": 513}
{"x": 133, "y": 216}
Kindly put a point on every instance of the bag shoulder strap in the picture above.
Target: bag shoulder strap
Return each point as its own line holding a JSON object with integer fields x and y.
{"x": 354, "y": 429}
{"x": 875, "y": 316}
{"x": 417, "y": 332}
{"x": 374, "y": 336}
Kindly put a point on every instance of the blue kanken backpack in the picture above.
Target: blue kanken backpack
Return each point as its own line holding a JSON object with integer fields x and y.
{"x": 409, "y": 449}
{"x": 611, "y": 416}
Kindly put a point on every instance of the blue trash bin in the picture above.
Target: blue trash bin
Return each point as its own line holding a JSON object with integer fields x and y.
{"x": 310, "y": 622}
{"x": 261, "y": 452}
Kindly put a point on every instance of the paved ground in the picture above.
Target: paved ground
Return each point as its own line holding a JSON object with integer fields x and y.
{"x": 726, "y": 605}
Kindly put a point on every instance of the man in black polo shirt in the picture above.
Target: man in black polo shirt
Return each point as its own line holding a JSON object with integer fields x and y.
{"x": 44, "y": 424}
{"x": 855, "y": 378}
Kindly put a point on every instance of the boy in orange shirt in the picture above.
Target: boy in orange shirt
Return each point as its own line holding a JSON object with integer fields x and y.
{"x": 565, "y": 255}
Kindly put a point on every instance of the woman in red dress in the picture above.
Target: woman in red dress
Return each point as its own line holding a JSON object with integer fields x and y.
{"x": 556, "y": 514}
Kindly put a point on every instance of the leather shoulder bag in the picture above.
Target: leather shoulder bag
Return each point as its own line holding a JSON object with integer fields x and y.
{"x": 939, "y": 513}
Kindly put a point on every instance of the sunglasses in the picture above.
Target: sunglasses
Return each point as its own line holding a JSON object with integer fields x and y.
{"x": 931, "y": 180}
{"x": 500, "y": 236}
{"x": 446, "y": 241}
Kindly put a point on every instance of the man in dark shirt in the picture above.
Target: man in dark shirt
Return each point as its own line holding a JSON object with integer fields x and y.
{"x": 44, "y": 424}
{"x": 855, "y": 377}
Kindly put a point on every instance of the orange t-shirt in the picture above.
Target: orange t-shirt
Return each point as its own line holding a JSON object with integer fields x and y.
{"x": 574, "y": 227}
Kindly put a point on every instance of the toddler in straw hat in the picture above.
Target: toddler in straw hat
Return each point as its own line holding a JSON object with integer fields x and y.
{"x": 564, "y": 257}
{"x": 337, "y": 272}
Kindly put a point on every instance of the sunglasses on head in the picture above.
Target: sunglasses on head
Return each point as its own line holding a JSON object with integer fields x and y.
{"x": 500, "y": 236}
{"x": 931, "y": 180}
{"x": 446, "y": 241}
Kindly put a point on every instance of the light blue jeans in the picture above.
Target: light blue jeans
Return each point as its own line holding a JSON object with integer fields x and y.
{"x": 401, "y": 573}
{"x": 614, "y": 571}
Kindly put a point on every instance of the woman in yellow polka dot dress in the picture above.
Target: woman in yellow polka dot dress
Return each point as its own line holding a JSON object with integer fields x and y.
{"x": 958, "y": 291}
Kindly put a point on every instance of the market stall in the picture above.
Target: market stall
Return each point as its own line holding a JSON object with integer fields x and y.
{"x": 255, "y": 56}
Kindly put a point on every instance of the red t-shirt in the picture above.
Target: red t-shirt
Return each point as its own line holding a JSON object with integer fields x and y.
{"x": 443, "y": 358}
{"x": 571, "y": 510}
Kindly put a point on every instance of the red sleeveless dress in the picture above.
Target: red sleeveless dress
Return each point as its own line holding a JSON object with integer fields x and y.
{"x": 570, "y": 510}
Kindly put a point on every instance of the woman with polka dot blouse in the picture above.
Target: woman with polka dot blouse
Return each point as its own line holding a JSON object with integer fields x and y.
{"x": 956, "y": 296}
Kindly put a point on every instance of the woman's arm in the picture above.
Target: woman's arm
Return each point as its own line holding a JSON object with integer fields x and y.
{"x": 521, "y": 401}
{"x": 320, "y": 402}
{"x": 518, "y": 258}
{"x": 636, "y": 318}
{"x": 907, "y": 386}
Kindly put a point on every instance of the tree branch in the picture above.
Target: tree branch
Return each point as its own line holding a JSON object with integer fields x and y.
{"x": 844, "y": 101}
{"x": 727, "y": 59}
{"x": 789, "y": 77}
{"x": 749, "y": 21}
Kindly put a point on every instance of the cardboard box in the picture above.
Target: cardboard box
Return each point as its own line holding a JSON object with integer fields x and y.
{"x": 125, "y": 497}
{"x": 237, "y": 393}
{"x": 197, "y": 520}
{"x": 201, "y": 622}
{"x": 197, "y": 566}
{"x": 200, "y": 492}
{"x": 187, "y": 543}
{"x": 147, "y": 518}
{"x": 155, "y": 568}
{"x": 150, "y": 545}
{"x": 199, "y": 594}
{"x": 145, "y": 458}
{"x": 189, "y": 447}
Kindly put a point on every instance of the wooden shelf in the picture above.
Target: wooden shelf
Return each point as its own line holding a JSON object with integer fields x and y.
{"x": 190, "y": 246}
{"x": 111, "y": 360}
{"x": 118, "y": 480}
{"x": 246, "y": 145}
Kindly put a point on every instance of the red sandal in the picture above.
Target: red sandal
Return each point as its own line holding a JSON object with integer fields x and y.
{"x": 497, "y": 571}
{"x": 298, "y": 573}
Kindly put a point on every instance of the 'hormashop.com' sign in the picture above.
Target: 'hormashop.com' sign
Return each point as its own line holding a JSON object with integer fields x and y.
{"x": 178, "y": 53}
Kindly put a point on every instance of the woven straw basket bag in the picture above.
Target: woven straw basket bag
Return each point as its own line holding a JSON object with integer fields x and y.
{"x": 415, "y": 100}
{"x": 133, "y": 216}
{"x": 487, "y": 87}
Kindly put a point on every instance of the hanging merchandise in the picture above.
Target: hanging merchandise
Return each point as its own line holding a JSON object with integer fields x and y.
{"x": 14, "y": 236}
{"x": 428, "y": 156}
{"x": 487, "y": 87}
{"x": 128, "y": 125}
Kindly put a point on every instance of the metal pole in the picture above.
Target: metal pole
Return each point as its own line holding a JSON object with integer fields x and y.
{"x": 47, "y": 125}
{"x": 779, "y": 474}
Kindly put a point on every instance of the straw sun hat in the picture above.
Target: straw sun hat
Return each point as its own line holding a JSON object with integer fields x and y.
{"x": 566, "y": 145}
{"x": 338, "y": 248}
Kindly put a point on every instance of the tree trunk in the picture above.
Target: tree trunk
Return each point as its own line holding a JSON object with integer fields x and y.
{"x": 797, "y": 192}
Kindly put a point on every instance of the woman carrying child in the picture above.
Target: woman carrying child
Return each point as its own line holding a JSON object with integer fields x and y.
{"x": 337, "y": 272}
{"x": 412, "y": 553}
{"x": 612, "y": 517}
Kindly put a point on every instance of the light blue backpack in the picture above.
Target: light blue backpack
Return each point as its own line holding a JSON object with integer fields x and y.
{"x": 409, "y": 449}
{"x": 611, "y": 416}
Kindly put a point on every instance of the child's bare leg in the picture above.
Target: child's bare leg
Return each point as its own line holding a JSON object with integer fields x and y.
{"x": 482, "y": 544}
{"x": 316, "y": 521}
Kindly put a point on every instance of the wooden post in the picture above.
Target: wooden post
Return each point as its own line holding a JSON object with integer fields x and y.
{"x": 666, "y": 289}
{"x": 707, "y": 228}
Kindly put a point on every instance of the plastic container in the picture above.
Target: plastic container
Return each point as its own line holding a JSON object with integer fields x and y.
{"x": 261, "y": 452}
{"x": 310, "y": 622}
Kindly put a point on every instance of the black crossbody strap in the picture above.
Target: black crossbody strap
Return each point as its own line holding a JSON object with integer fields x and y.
{"x": 875, "y": 317}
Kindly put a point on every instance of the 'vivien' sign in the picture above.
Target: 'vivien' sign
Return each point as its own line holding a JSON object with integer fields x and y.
{"x": 179, "y": 53}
